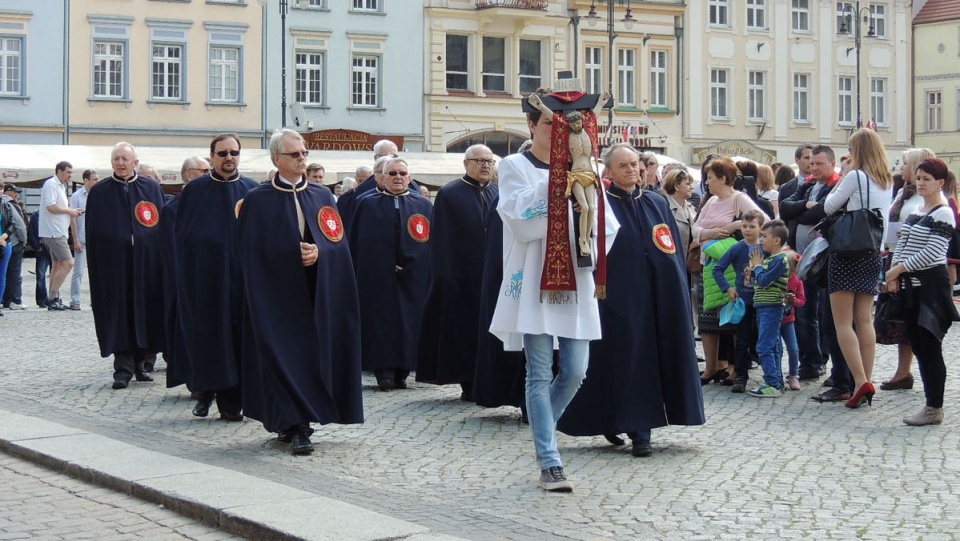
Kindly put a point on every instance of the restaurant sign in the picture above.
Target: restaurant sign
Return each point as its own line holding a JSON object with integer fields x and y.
{"x": 736, "y": 147}
{"x": 341, "y": 139}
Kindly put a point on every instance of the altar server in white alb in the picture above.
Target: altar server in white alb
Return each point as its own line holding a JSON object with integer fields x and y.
{"x": 535, "y": 310}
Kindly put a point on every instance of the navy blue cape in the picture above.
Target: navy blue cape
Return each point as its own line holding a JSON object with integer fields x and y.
{"x": 500, "y": 376}
{"x": 348, "y": 201}
{"x": 301, "y": 355}
{"x": 124, "y": 257}
{"x": 448, "y": 334}
{"x": 391, "y": 300}
{"x": 209, "y": 282}
{"x": 643, "y": 373}
{"x": 175, "y": 355}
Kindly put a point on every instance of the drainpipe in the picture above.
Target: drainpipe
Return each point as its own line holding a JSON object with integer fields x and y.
{"x": 65, "y": 138}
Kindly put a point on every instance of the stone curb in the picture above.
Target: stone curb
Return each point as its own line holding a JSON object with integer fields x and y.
{"x": 236, "y": 503}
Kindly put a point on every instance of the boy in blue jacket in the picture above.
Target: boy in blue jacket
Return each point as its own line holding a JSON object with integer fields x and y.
{"x": 739, "y": 257}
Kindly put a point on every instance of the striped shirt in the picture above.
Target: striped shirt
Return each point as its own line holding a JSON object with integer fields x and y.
{"x": 770, "y": 280}
{"x": 924, "y": 239}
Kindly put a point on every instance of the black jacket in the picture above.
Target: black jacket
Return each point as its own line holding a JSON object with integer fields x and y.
{"x": 795, "y": 207}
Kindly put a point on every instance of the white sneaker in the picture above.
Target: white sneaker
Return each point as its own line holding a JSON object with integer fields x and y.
{"x": 15, "y": 306}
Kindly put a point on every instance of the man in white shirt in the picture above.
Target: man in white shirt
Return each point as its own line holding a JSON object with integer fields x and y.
{"x": 55, "y": 215}
{"x": 79, "y": 201}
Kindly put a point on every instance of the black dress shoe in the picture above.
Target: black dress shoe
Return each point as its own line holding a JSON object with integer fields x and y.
{"x": 231, "y": 417}
{"x": 400, "y": 383}
{"x": 143, "y": 376}
{"x": 300, "y": 444}
{"x": 827, "y": 382}
{"x": 385, "y": 384}
{"x": 201, "y": 409}
{"x": 284, "y": 436}
{"x": 614, "y": 439}
{"x": 809, "y": 376}
{"x": 120, "y": 384}
{"x": 641, "y": 448}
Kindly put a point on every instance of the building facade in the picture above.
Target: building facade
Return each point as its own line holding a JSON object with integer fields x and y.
{"x": 936, "y": 101}
{"x": 165, "y": 72}
{"x": 32, "y": 75}
{"x": 780, "y": 73}
{"x": 350, "y": 65}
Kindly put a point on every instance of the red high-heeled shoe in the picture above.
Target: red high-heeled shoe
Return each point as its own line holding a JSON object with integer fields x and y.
{"x": 864, "y": 394}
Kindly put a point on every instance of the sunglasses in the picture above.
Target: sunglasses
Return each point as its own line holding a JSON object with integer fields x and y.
{"x": 398, "y": 173}
{"x": 225, "y": 153}
{"x": 296, "y": 155}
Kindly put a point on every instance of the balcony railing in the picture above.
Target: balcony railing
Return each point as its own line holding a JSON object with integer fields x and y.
{"x": 515, "y": 4}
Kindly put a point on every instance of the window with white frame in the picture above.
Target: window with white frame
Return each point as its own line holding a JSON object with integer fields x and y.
{"x": 314, "y": 3}
{"x": 756, "y": 95}
{"x": 718, "y": 93}
{"x": 365, "y": 80}
{"x": 800, "y": 15}
{"x": 494, "y": 74}
{"x": 878, "y": 19}
{"x": 593, "y": 70}
{"x": 934, "y": 110}
{"x": 167, "y": 72}
{"x": 720, "y": 12}
{"x": 626, "y": 77}
{"x": 366, "y": 5}
{"x": 958, "y": 110}
{"x": 308, "y": 84}
{"x": 658, "y": 78}
{"x": 801, "y": 97}
{"x": 845, "y": 13}
{"x": 224, "y": 74}
{"x": 845, "y": 100}
{"x": 458, "y": 62}
{"x": 757, "y": 14}
{"x": 878, "y": 101}
{"x": 11, "y": 66}
{"x": 109, "y": 69}
{"x": 531, "y": 60}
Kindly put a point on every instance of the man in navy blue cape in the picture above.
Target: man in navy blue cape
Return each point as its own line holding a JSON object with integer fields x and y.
{"x": 301, "y": 354}
{"x": 209, "y": 282}
{"x": 389, "y": 240}
{"x": 448, "y": 335}
{"x": 347, "y": 203}
{"x": 124, "y": 247}
{"x": 643, "y": 373}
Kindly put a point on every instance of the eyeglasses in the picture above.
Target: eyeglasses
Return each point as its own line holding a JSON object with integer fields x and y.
{"x": 224, "y": 153}
{"x": 296, "y": 155}
{"x": 398, "y": 173}
{"x": 481, "y": 161}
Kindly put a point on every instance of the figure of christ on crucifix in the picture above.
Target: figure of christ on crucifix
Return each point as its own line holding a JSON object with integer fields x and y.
{"x": 582, "y": 181}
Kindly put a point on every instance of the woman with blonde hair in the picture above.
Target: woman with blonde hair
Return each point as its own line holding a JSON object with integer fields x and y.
{"x": 852, "y": 280}
{"x": 889, "y": 333}
{"x": 766, "y": 189}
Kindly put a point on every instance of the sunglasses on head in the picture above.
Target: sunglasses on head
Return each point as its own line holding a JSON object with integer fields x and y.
{"x": 225, "y": 153}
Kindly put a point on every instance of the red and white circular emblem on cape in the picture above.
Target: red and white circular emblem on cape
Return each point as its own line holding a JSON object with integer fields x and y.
{"x": 146, "y": 213}
{"x": 418, "y": 226}
{"x": 663, "y": 238}
{"x": 236, "y": 208}
{"x": 330, "y": 224}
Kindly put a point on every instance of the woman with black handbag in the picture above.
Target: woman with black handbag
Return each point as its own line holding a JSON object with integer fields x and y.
{"x": 918, "y": 273}
{"x": 859, "y": 203}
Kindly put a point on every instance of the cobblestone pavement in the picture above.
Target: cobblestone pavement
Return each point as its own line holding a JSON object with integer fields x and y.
{"x": 760, "y": 468}
{"x": 36, "y": 503}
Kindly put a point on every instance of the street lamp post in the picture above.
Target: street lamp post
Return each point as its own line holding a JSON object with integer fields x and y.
{"x": 627, "y": 21}
{"x": 283, "y": 63}
{"x": 857, "y": 15}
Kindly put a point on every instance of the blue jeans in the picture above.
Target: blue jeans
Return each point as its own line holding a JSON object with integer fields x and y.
{"x": 746, "y": 339}
{"x": 79, "y": 262}
{"x": 789, "y": 335}
{"x": 5, "y": 254}
{"x": 548, "y": 396}
{"x": 769, "y": 317}
{"x": 42, "y": 266}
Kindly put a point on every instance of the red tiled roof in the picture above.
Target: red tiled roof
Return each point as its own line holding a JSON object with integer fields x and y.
{"x": 937, "y": 11}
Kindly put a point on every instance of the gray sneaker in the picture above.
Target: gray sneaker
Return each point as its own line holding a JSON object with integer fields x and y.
{"x": 553, "y": 479}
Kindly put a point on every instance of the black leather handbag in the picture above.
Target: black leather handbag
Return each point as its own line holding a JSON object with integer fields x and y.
{"x": 857, "y": 233}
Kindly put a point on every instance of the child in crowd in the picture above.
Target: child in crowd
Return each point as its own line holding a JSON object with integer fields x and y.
{"x": 794, "y": 299}
{"x": 770, "y": 276}
{"x": 739, "y": 257}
